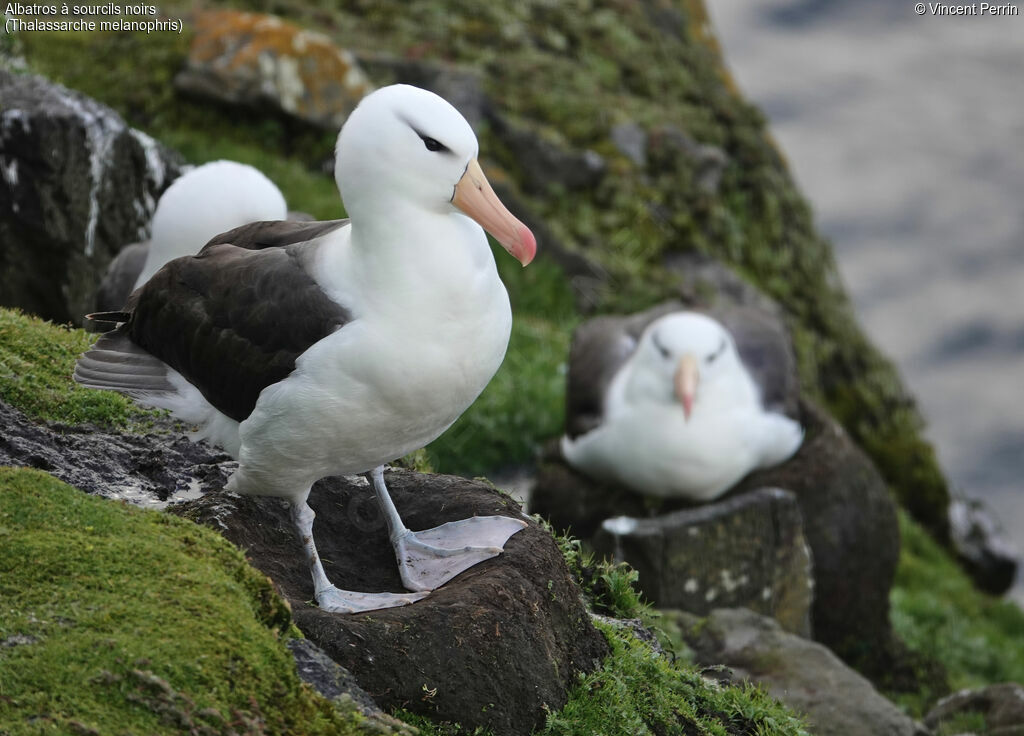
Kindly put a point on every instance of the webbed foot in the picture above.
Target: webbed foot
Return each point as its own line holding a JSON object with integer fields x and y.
{"x": 430, "y": 558}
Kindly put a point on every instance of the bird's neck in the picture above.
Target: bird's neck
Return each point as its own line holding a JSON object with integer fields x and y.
{"x": 406, "y": 259}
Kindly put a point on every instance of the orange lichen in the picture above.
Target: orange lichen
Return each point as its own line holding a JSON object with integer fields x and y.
{"x": 303, "y": 71}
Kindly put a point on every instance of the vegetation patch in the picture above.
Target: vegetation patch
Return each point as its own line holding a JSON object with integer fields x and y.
{"x": 639, "y": 692}
{"x": 36, "y": 361}
{"x": 940, "y": 614}
{"x": 119, "y": 620}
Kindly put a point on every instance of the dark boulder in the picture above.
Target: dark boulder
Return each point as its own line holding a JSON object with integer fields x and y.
{"x": 77, "y": 183}
{"x": 496, "y": 647}
{"x": 746, "y": 551}
{"x": 1000, "y": 706}
{"x": 851, "y": 525}
{"x": 981, "y": 546}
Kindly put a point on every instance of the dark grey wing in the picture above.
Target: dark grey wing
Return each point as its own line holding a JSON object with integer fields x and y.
{"x": 763, "y": 343}
{"x": 232, "y": 320}
{"x": 275, "y": 233}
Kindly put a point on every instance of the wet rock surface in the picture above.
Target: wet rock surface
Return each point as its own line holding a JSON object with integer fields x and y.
{"x": 749, "y": 550}
{"x": 495, "y": 647}
{"x": 76, "y": 183}
{"x": 149, "y": 469}
{"x": 802, "y": 674}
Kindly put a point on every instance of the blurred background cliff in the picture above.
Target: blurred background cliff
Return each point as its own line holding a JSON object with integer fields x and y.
{"x": 904, "y": 132}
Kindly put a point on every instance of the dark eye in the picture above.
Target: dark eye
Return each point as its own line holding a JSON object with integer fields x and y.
{"x": 714, "y": 356}
{"x": 433, "y": 144}
{"x": 661, "y": 348}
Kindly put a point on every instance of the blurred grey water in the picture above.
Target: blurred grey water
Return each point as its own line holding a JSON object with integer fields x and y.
{"x": 906, "y": 133}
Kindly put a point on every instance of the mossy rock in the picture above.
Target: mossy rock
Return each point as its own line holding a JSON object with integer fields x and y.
{"x": 122, "y": 620}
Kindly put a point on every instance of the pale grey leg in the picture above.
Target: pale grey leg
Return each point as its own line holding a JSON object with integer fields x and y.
{"x": 430, "y": 558}
{"x": 328, "y": 597}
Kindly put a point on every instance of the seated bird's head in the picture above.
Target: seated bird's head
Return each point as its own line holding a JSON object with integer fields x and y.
{"x": 406, "y": 147}
{"x": 682, "y": 356}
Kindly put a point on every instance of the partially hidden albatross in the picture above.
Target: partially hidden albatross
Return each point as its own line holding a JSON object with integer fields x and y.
{"x": 200, "y": 204}
{"x": 326, "y": 348}
{"x": 683, "y": 417}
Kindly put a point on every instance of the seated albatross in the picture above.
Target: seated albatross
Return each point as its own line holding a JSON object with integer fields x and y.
{"x": 327, "y": 348}
{"x": 683, "y": 417}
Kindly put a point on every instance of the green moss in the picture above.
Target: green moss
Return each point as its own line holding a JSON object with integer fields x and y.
{"x": 36, "y": 361}
{"x": 939, "y": 614}
{"x": 638, "y": 692}
{"x": 120, "y": 620}
{"x": 962, "y": 723}
{"x": 609, "y": 588}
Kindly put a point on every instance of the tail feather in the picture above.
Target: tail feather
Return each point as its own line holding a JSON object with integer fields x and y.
{"x": 116, "y": 363}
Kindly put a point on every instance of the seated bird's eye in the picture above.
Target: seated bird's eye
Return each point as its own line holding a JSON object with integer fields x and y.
{"x": 721, "y": 349}
{"x": 661, "y": 348}
{"x": 433, "y": 144}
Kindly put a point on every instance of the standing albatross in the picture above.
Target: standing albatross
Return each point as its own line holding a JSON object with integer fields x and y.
{"x": 327, "y": 348}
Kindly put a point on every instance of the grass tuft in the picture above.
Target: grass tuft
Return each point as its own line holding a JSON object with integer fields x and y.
{"x": 36, "y": 361}
{"x": 940, "y": 614}
{"x": 638, "y": 692}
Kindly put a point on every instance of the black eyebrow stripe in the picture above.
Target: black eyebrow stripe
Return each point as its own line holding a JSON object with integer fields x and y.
{"x": 424, "y": 136}
{"x": 721, "y": 349}
{"x": 657, "y": 343}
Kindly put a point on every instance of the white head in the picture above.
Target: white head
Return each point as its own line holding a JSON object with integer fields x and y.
{"x": 204, "y": 202}
{"x": 682, "y": 356}
{"x": 404, "y": 146}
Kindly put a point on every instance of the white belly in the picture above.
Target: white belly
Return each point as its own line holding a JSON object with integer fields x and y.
{"x": 368, "y": 394}
{"x": 656, "y": 452}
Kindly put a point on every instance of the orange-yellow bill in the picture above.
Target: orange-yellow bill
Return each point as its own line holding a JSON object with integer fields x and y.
{"x": 686, "y": 379}
{"x": 475, "y": 197}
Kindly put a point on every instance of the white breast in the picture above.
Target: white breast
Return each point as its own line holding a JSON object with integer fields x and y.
{"x": 388, "y": 383}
